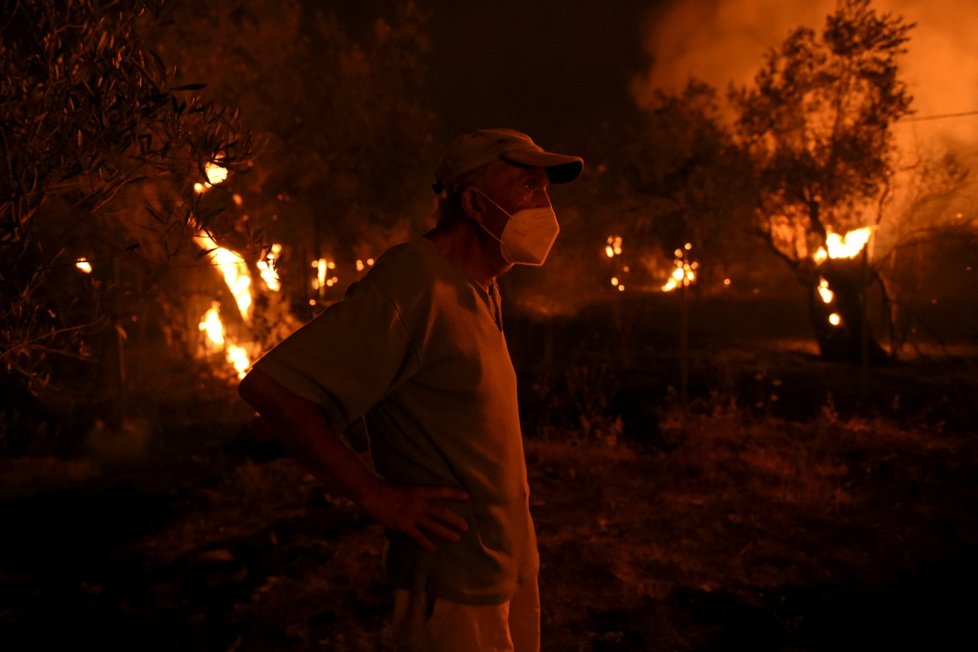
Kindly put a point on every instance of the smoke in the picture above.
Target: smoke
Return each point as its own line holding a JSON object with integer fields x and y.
{"x": 724, "y": 41}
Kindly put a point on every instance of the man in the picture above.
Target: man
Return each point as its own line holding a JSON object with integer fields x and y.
{"x": 416, "y": 348}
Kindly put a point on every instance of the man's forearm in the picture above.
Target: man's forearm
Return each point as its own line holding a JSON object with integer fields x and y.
{"x": 416, "y": 511}
{"x": 315, "y": 444}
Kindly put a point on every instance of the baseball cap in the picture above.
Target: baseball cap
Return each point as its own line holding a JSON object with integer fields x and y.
{"x": 473, "y": 150}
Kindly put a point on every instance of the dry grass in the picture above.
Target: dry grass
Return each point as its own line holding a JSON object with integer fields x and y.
{"x": 739, "y": 535}
{"x": 751, "y": 535}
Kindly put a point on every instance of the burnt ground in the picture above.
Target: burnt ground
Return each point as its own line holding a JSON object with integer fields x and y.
{"x": 790, "y": 505}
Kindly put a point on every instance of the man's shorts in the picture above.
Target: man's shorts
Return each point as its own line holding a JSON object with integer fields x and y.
{"x": 423, "y": 623}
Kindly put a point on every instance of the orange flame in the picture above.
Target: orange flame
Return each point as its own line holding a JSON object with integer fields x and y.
{"x": 843, "y": 246}
{"x": 212, "y": 326}
{"x": 684, "y": 273}
{"x": 215, "y": 175}
{"x": 237, "y": 277}
{"x": 267, "y": 269}
{"x": 235, "y": 271}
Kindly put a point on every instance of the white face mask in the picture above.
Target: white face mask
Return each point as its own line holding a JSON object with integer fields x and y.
{"x": 528, "y": 236}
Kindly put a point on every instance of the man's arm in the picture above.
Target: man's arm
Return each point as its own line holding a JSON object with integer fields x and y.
{"x": 412, "y": 510}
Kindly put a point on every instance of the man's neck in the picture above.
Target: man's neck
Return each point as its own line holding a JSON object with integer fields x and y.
{"x": 474, "y": 252}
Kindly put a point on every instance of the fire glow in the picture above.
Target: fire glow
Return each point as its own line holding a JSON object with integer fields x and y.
{"x": 215, "y": 175}
{"x": 233, "y": 267}
{"x": 823, "y": 290}
{"x": 84, "y": 265}
{"x": 216, "y": 340}
{"x": 684, "y": 272}
{"x": 212, "y": 326}
{"x": 612, "y": 249}
{"x": 266, "y": 268}
{"x": 237, "y": 277}
{"x": 837, "y": 247}
{"x": 843, "y": 246}
{"x": 323, "y": 279}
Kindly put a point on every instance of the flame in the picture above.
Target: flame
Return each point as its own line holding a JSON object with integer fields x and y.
{"x": 267, "y": 269}
{"x": 215, "y": 175}
{"x": 320, "y": 266}
{"x": 843, "y": 246}
{"x": 238, "y": 358}
{"x": 233, "y": 267}
{"x": 212, "y": 326}
{"x": 824, "y": 291}
{"x": 84, "y": 265}
{"x": 684, "y": 273}
{"x": 237, "y": 277}
{"x": 323, "y": 280}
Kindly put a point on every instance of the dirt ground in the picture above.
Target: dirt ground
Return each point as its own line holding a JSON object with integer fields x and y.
{"x": 791, "y": 505}
{"x": 743, "y": 535}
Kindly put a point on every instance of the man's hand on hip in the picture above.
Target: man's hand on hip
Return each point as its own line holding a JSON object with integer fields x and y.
{"x": 417, "y": 512}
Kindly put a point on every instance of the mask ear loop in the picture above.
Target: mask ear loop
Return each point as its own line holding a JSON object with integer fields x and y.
{"x": 504, "y": 212}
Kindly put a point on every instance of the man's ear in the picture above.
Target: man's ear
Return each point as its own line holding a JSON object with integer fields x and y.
{"x": 473, "y": 204}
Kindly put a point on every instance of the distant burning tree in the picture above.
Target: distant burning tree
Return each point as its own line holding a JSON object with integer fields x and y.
{"x": 838, "y": 301}
{"x": 817, "y": 126}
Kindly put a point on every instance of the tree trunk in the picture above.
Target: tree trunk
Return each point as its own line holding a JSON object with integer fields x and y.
{"x": 840, "y": 322}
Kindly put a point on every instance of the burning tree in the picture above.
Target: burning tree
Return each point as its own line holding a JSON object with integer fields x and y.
{"x": 817, "y": 126}
{"x": 334, "y": 95}
{"x": 676, "y": 177}
{"x": 90, "y": 129}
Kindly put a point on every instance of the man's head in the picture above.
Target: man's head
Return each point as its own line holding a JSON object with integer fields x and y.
{"x": 475, "y": 150}
{"x": 476, "y": 158}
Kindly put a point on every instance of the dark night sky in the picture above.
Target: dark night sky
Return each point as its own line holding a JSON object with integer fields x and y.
{"x": 550, "y": 68}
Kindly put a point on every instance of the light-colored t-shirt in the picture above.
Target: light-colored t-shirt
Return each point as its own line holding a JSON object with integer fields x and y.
{"x": 417, "y": 348}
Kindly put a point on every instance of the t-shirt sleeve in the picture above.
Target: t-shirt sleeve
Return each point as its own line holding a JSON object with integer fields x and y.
{"x": 347, "y": 358}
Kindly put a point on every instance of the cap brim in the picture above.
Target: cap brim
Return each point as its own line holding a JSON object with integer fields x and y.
{"x": 561, "y": 168}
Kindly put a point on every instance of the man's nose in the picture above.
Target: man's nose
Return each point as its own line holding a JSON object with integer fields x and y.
{"x": 542, "y": 200}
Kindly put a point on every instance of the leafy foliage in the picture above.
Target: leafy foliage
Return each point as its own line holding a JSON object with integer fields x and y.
{"x": 685, "y": 176}
{"x": 334, "y": 97}
{"x": 90, "y": 126}
{"x": 818, "y": 127}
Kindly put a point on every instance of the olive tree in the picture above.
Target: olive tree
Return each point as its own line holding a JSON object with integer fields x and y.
{"x": 817, "y": 125}
{"x": 91, "y": 127}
